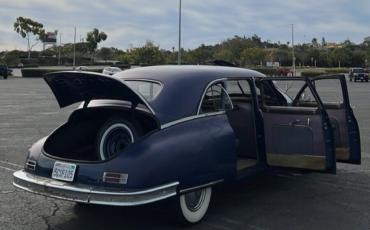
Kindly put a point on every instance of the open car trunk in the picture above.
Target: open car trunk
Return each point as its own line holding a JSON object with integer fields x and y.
{"x": 76, "y": 139}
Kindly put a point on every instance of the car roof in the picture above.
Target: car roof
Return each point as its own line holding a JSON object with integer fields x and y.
{"x": 182, "y": 86}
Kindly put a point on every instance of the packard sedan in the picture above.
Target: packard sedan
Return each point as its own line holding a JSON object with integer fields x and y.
{"x": 170, "y": 132}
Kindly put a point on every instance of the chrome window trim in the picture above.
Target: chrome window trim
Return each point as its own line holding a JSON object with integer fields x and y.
{"x": 232, "y": 106}
{"x": 191, "y": 118}
{"x": 205, "y": 91}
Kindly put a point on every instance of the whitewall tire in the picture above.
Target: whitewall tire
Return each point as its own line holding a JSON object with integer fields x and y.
{"x": 115, "y": 136}
{"x": 192, "y": 207}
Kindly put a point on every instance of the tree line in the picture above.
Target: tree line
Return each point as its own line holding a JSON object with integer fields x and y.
{"x": 243, "y": 51}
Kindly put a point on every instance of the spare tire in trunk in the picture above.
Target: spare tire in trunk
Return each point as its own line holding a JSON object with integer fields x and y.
{"x": 115, "y": 135}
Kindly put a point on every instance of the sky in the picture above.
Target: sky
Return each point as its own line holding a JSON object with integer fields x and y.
{"x": 132, "y": 22}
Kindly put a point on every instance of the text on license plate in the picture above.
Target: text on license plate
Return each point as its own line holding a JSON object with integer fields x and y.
{"x": 63, "y": 171}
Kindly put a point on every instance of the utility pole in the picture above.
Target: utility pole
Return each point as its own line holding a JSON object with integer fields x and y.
{"x": 179, "y": 56}
{"x": 74, "y": 50}
{"x": 293, "y": 49}
{"x": 60, "y": 47}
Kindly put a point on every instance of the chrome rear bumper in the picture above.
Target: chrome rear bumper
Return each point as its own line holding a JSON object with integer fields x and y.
{"x": 89, "y": 194}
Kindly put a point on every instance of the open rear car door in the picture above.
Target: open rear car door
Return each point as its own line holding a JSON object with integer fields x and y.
{"x": 295, "y": 136}
{"x": 334, "y": 95}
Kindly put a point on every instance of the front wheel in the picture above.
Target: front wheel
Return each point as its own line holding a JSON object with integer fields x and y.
{"x": 5, "y": 76}
{"x": 192, "y": 207}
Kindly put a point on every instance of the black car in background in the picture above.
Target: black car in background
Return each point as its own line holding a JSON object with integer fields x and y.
{"x": 358, "y": 74}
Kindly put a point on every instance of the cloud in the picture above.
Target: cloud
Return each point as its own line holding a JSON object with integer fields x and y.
{"x": 207, "y": 21}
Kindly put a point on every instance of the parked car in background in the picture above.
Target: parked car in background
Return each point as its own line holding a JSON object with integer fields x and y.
{"x": 171, "y": 132}
{"x": 367, "y": 70}
{"x": 81, "y": 68}
{"x": 20, "y": 65}
{"x": 5, "y": 71}
{"x": 284, "y": 72}
{"x": 111, "y": 70}
{"x": 358, "y": 74}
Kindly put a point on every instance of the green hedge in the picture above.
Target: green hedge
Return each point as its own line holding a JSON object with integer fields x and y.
{"x": 122, "y": 66}
{"x": 102, "y": 63}
{"x": 41, "y": 72}
{"x": 337, "y": 70}
{"x": 312, "y": 74}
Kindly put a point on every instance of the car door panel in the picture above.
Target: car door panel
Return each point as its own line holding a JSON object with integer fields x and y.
{"x": 298, "y": 137}
{"x": 342, "y": 119}
{"x": 297, "y": 140}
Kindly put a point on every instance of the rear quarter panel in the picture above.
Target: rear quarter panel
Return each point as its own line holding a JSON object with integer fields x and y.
{"x": 194, "y": 153}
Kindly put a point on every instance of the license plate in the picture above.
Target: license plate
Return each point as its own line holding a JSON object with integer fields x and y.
{"x": 362, "y": 78}
{"x": 63, "y": 171}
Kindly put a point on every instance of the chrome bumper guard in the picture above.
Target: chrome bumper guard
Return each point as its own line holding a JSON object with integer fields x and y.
{"x": 89, "y": 194}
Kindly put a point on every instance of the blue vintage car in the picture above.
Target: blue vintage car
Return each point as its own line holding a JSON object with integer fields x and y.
{"x": 170, "y": 132}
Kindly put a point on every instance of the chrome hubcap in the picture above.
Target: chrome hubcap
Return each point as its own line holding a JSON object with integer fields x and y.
{"x": 194, "y": 200}
{"x": 117, "y": 140}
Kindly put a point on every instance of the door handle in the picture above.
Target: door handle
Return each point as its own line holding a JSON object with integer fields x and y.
{"x": 308, "y": 121}
{"x": 294, "y": 122}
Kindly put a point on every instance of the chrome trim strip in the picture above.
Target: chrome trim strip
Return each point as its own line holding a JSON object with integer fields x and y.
{"x": 191, "y": 118}
{"x": 201, "y": 186}
{"x": 91, "y": 194}
{"x": 205, "y": 91}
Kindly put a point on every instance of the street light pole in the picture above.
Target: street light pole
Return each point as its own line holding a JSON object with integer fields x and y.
{"x": 74, "y": 50}
{"x": 179, "y": 56}
{"x": 60, "y": 47}
{"x": 293, "y": 49}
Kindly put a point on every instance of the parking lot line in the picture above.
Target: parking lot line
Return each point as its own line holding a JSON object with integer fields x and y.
{"x": 8, "y": 169}
{"x": 5, "y": 162}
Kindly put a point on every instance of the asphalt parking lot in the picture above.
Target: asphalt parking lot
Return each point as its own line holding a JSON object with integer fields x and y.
{"x": 273, "y": 200}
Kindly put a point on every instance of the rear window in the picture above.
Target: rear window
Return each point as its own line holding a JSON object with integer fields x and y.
{"x": 358, "y": 70}
{"x": 149, "y": 90}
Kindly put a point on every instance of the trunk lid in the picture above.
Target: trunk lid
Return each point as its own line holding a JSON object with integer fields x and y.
{"x": 71, "y": 87}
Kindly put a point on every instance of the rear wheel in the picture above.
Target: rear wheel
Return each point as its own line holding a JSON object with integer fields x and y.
{"x": 114, "y": 136}
{"x": 192, "y": 207}
{"x": 5, "y": 76}
{"x": 350, "y": 79}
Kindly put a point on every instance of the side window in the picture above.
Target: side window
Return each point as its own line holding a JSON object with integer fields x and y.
{"x": 270, "y": 99}
{"x": 329, "y": 90}
{"x": 216, "y": 99}
{"x": 240, "y": 91}
{"x": 238, "y": 88}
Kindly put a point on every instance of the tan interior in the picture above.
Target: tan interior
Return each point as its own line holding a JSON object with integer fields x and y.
{"x": 342, "y": 154}
{"x": 296, "y": 161}
{"x": 243, "y": 163}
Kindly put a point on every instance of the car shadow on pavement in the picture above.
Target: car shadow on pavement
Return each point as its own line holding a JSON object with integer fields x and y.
{"x": 227, "y": 204}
